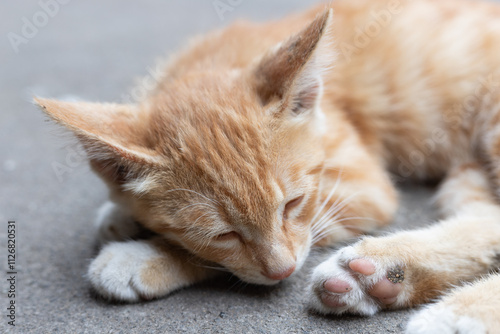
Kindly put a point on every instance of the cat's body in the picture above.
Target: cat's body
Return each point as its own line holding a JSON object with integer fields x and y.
{"x": 249, "y": 152}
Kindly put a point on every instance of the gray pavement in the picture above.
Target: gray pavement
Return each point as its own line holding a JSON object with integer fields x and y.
{"x": 93, "y": 50}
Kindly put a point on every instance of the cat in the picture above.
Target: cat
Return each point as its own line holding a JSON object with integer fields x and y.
{"x": 262, "y": 140}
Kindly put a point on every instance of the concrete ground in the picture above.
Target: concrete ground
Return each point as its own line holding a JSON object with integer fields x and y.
{"x": 94, "y": 50}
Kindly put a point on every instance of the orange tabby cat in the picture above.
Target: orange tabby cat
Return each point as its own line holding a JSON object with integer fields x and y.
{"x": 264, "y": 139}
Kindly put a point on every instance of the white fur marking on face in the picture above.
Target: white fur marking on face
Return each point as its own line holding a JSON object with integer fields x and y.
{"x": 140, "y": 185}
{"x": 320, "y": 121}
{"x": 278, "y": 194}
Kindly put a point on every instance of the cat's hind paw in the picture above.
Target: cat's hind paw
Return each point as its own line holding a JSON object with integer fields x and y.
{"x": 470, "y": 309}
{"x": 439, "y": 319}
{"x": 349, "y": 283}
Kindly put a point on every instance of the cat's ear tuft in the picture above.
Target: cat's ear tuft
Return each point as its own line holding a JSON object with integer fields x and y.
{"x": 291, "y": 73}
{"x": 113, "y": 135}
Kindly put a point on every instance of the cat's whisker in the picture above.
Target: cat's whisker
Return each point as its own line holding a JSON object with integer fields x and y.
{"x": 335, "y": 186}
{"x": 329, "y": 231}
{"x": 327, "y": 223}
{"x": 340, "y": 204}
{"x": 323, "y": 224}
{"x": 235, "y": 284}
{"x": 194, "y": 204}
{"x": 213, "y": 267}
{"x": 203, "y": 215}
{"x": 325, "y": 233}
{"x": 196, "y": 234}
{"x": 331, "y": 216}
{"x": 195, "y": 262}
{"x": 359, "y": 218}
{"x": 334, "y": 225}
{"x": 337, "y": 221}
{"x": 336, "y": 208}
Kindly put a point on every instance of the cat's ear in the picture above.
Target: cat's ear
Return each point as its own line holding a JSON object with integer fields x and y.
{"x": 291, "y": 73}
{"x": 113, "y": 135}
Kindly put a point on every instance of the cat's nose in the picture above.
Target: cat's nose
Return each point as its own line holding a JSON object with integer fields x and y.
{"x": 278, "y": 276}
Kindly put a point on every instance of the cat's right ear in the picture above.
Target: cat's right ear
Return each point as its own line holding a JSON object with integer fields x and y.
{"x": 114, "y": 136}
{"x": 289, "y": 76}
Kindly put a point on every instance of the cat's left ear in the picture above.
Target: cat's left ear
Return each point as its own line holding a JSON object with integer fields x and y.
{"x": 289, "y": 76}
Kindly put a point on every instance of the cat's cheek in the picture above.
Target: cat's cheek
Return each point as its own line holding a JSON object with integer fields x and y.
{"x": 320, "y": 124}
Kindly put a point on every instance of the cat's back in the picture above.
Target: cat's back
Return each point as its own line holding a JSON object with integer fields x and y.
{"x": 406, "y": 68}
{"x": 357, "y": 25}
{"x": 399, "y": 64}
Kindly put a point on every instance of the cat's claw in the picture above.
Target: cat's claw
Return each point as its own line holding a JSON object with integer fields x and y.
{"x": 348, "y": 283}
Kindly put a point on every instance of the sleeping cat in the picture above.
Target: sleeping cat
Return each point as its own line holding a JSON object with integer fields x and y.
{"x": 262, "y": 140}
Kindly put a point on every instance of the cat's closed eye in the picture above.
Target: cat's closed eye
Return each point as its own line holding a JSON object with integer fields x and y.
{"x": 228, "y": 236}
{"x": 291, "y": 205}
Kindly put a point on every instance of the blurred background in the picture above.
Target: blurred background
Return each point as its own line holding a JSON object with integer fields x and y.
{"x": 97, "y": 51}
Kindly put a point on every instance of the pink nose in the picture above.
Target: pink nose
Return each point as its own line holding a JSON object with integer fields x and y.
{"x": 281, "y": 275}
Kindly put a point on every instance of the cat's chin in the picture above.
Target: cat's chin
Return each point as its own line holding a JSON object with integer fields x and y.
{"x": 259, "y": 281}
{"x": 262, "y": 280}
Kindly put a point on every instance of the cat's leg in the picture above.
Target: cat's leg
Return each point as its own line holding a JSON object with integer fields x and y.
{"x": 113, "y": 223}
{"x": 144, "y": 269}
{"x": 470, "y": 309}
{"x": 412, "y": 267}
{"x": 485, "y": 129}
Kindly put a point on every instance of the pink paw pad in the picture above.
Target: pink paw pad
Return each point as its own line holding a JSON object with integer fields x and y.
{"x": 362, "y": 266}
{"x": 333, "y": 288}
{"x": 336, "y": 285}
{"x": 387, "y": 289}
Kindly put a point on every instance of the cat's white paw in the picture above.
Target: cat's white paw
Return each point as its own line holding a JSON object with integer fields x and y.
{"x": 440, "y": 319}
{"x": 117, "y": 272}
{"x": 114, "y": 224}
{"x": 348, "y": 282}
{"x": 472, "y": 308}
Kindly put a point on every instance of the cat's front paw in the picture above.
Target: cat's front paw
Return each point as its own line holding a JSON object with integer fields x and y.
{"x": 120, "y": 271}
{"x": 351, "y": 282}
{"x": 144, "y": 269}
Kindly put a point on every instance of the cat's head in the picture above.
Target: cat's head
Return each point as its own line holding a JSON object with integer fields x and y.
{"x": 226, "y": 164}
